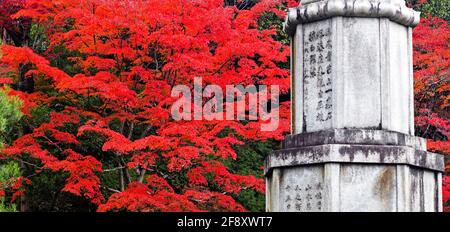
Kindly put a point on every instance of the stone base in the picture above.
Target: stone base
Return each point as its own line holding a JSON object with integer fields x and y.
{"x": 353, "y": 170}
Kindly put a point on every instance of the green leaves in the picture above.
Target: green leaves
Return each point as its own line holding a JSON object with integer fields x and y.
{"x": 9, "y": 114}
{"x": 439, "y": 8}
{"x": 8, "y": 173}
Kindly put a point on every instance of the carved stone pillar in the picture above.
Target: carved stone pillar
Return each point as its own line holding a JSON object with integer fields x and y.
{"x": 352, "y": 146}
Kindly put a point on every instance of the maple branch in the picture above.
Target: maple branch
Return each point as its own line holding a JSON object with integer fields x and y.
{"x": 53, "y": 143}
{"x": 130, "y": 133}
{"x": 126, "y": 172}
{"x": 45, "y": 137}
{"x": 110, "y": 189}
{"x": 103, "y": 108}
{"x": 34, "y": 174}
{"x": 141, "y": 176}
{"x": 113, "y": 169}
{"x": 162, "y": 174}
{"x": 121, "y": 180}
{"x": 122, "y": 127}
{"x": 125, "y": 177}
{"x": 31, "y": 164}
{"x": 144, "y": 133}
{"x": 223, "y": 65}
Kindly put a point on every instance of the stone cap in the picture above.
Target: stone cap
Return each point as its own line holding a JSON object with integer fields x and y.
{"x": 314, "y": 10}
{"x": 344, "y": 153}
{"x": 354, "y": 136}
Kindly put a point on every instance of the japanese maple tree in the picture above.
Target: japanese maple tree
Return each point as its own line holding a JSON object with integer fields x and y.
{"x": 110, "y": 110}
{"x": 432, "y": 87}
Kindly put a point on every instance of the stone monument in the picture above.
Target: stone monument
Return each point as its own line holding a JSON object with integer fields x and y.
{"x": 352, "y": 146}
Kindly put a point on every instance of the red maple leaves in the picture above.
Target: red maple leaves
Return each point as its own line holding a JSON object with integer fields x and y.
{"x": 432, "y": 88}
{"x": 432, "y": 85}
{"x": 118, "y": 98}
{"x": 446, "y": 192}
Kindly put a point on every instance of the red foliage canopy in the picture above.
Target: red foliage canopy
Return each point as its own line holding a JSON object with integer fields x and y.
{"x": 432, "y": 86}
{"x": 128, "y": 56}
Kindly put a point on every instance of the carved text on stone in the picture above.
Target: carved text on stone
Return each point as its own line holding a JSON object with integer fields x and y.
{"x": 303, "y": 198}
{"x": 317, "y": 63}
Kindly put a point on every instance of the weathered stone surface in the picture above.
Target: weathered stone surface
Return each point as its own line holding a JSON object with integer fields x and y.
{"x": 343, "y": 153}
{"x": 368, "y": 187}
{"x": 352, "y": 73}
{"x": 353, "y": 146}
{"x": 353, "y": 187}
{"x": 305, "y": 196}
{"x": 316, "y": 10}
{"x": 317, "y": 76}
{"x": 354, "y": 136}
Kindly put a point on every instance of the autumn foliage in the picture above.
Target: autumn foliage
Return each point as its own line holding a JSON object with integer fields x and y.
{"x": 124, "y": 58}
{"x": 97, "y": 99}
{"x": 432, "y": 88}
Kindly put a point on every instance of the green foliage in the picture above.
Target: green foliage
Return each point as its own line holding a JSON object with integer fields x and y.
{"x": 250, "y": 157}
{"x": 252, "y": 200}
{"x": 4, "y": 208}
{"x": 40, "y": 114}
{"x": 249, "y": 162}
{"x": 439, "y": 8}
{"x": 272, "y": 21}
{"x": 8, "y": 172}
{"x": 38, "y": 38}
{"x": 63, "y": 60}
{"x": 45, "y": 195}
{"x": 9, "y": 114}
